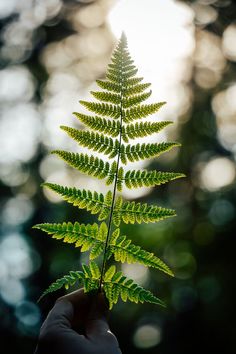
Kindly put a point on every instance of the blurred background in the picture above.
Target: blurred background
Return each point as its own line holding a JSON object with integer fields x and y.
{"x": 51, "y": 53}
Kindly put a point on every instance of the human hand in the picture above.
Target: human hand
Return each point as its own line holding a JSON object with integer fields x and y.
{"x": 77, "y": 324}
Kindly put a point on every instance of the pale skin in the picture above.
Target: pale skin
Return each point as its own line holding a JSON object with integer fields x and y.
{"x": 77, "y": 324}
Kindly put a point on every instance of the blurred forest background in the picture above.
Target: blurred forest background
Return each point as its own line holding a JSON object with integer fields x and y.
{"x": 51, "y": 53}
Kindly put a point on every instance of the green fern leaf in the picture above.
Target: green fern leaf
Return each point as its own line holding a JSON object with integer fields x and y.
{"x": 88, "y": 237}
{"x": 99, "y": 244}
{"x": 66, "y": 281}
{"x": 94, "y": 202}
{"x": 113, "y": 78}
{"x": 107, "y": 97}
{"x": 136, "y": 179}
{"x": 135, "y": 89}
{"x": 116, "y": 284}
{"x": 109, "y": 86}
{"x": 127, "y": 75}
{"x": 95, "y": 272}
{"x": 103, "y": 109}
{"x": 135, "y": 100}
{"x": 103, "y": 125}
{"x": 118, "y": 61}
{"x": 88, "y": 277}
{"x": 144, "y": 151}
{"x": 92, "y": 166}
{"x": 125, "y": 251}
{"x": 94, "y": 141}
{"x": 121, "y": 63}
{"x": 139, "y": 130}
{"x": 133, "y": 81}
{"x": 141, "y": 111}
{"x": 131, "y": 212}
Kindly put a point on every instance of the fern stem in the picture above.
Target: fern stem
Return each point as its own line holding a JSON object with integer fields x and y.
{"x": 113, "y": 196}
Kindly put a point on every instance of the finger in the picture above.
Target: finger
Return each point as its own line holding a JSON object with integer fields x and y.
{"x": 56, "y": 331}
{"x": 63, "y": 311}
{"x": 61, "y": 315}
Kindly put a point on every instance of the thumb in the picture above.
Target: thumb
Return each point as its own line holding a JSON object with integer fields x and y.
{"x": 96, "y": 324}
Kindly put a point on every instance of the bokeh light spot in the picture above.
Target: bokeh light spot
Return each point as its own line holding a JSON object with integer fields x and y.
{"x": 27, "y": 313}
{"x": 9, "y": 90}
{"x": 137, "y": 272}
{"x": 229, "y": 40}
{"x": 217, "y": 173}
{"x": 13, "y": 174}
{"x": 221, "y": 212}
{"x": 19, "y": 133}
{"x": 7, "y": 7}
{"x": 91, "y": 16}
{"x": 17, "y": 210}
{"x": 12, "y": 291}
{"x": 147, "y": 336}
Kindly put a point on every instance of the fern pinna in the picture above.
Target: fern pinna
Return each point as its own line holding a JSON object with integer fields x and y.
{"x": 116, "y": 122}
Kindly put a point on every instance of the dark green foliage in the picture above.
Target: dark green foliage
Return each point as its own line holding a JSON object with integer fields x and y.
{"x": 109, "y": 131}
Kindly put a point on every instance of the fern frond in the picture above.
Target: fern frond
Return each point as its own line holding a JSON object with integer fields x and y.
{"x": 141, "y": 111}
{"x": 125, "y": 251}
{"x": 88, "y": 277}
{"x": 109, "y": 86}
{"x": 94, "y": 141}
{"x": 133, "y": 81}
{"x": 137, "y": 178}
{"x": 92, "y": 166}
{"x": 90, "y": 201}
{"x": 114, "y": 79}
{"x": 120, "y": 61}
{"x": 104, "y": 109}
{"x": 127, "y": 72}
{"x": 135, "y": 89}
{"x": 116, "y": 284}
{"x": 139, "y": 130}
{"x": 131, "y": 212}
{"x": 106, "y": 96}
{"x": 127, "y": 75}
{"x": 103, "y": 125}
{"x": 143, "y": 151}
{"x": 88, "y": 237}
{"x": 136, "y": 99}
{"x": 117, "y": 110}
{"x": 66, "y": 281}
{"x": 121, "y": 65}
